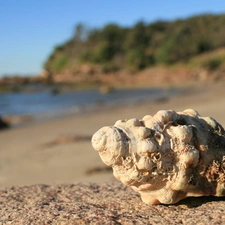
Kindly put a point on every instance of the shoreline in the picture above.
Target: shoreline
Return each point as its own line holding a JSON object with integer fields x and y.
{"x": 59, "y": 150}
{"x": 117, "y": 97}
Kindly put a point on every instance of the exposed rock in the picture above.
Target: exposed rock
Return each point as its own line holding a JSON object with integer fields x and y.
{"x": 100, "y": 204}
{"x": 3, "y": 124}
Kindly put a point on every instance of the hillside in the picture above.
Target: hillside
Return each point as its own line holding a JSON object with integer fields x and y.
{"x": 191, "y": 48}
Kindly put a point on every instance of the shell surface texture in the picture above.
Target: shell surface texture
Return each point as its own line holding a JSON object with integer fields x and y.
{"x": 166, "y": 157}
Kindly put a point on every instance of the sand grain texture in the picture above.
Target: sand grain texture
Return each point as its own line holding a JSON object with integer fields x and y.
{"x": 91, "y": 203}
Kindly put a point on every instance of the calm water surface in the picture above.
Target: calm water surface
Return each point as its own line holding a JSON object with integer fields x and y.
{"x": 46, "y": 104}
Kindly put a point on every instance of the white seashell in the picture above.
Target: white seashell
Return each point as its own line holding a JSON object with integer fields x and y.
{"x": 166, "y": 157}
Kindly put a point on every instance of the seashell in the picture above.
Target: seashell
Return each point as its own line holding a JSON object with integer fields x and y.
{"x": 166, "y": 157}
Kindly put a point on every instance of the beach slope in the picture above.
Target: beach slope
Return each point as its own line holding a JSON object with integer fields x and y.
{"x": 42, "y": 165}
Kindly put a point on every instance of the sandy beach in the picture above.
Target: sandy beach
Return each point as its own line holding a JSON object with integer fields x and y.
{"x": 50, "y": 174}
{"x": 59, "y": 150}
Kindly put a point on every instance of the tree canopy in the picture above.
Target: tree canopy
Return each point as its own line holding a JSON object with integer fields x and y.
{"x": 114, "y": 47}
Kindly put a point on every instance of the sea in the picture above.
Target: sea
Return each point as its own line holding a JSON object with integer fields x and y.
{"x": 45, "y": 102}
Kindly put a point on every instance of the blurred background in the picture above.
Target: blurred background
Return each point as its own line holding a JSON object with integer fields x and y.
{"x": 69, "y": 67}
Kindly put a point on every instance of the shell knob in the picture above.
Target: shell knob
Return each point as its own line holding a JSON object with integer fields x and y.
{"x": 111, "y": 143}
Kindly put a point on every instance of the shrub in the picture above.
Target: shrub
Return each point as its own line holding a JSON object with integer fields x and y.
{"x": 212, "y": 64}
{"x": 60, "y": 63}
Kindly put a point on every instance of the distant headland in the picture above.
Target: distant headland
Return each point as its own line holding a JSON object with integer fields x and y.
{"x": 155, "y": 54}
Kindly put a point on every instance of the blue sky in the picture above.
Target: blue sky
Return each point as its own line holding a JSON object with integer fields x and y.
{"x": 30, "y": 29}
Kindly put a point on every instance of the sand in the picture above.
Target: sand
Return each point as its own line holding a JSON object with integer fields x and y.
{"x": 106, "y": 204}
{"x": 59, "y": 151}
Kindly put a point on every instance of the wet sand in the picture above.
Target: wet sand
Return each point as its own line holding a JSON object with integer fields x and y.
{"x": 59, "y": 151}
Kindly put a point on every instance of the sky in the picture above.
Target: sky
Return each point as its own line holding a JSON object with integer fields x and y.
{"x": 30, "y": 29}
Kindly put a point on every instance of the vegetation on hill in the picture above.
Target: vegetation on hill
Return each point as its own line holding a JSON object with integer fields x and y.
{"x": 115, "y": 48}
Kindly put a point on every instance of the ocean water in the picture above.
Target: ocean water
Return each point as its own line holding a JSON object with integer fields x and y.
{"x": 45, "y": 104}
